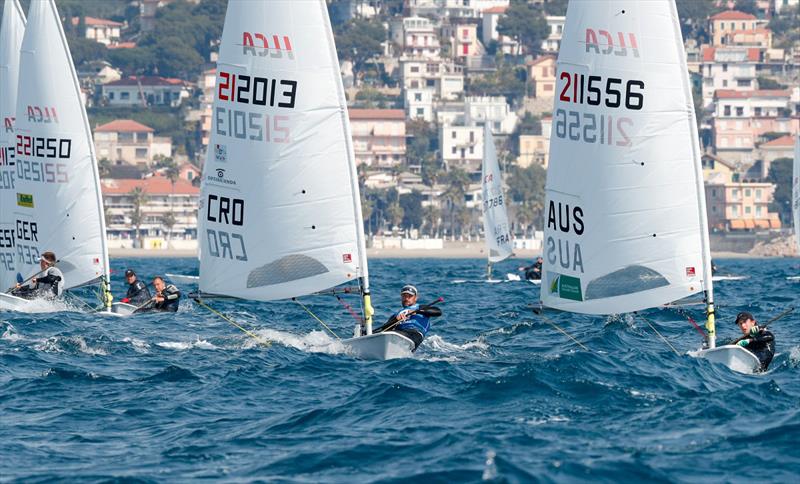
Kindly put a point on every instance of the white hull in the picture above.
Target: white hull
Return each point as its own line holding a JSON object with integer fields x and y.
{"x": 793, "y": 278}
{"x": 182, "y": 279}
{"x": 13, "y": 303}
{"x": 122, "y": 309}
{"x": 734, "y": 357}
{"x": 380, "y": 346}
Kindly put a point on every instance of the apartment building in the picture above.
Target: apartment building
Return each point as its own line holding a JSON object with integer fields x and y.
{"x": 479, "y": 110}
{"x": 416, "y": 37}
{"x": 491, "y": 17}
{"x": 444, "y": 78}
{"x": 146, "y": 91}
{"x": 542, "y": 73}
{"x": 553, "y": 40}
{"x": 106, "y": 32}
{"x": 733, "y": 205}
{"x": 733, "y": 68}
{"x": 379, "y": 137}
{"x": 125, "y": 141}
{"x": 723, "y": 25}
{"x": 462, "y": 147}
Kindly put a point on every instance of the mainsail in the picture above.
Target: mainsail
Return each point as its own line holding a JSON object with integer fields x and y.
{"x": 11, "y": 32}
{"x": 625, "y": 219}
{"x": 58, "y": 204}
{"x": 796, "y": 192}
{"x": 495, "y": 217}
{"x": 280, "y": 213}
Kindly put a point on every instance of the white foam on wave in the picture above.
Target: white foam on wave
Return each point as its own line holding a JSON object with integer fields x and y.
{"x": 10, "y": 333}
{"x": 536, "y": 421}
{"x": 187, "y": 345}
{"x": 139, "y": 346}
{"x": 57, "y": 344}
{"x": 436, "y": 348}
{"x": 46, "y": 306}
{"x": 314, "y": 342}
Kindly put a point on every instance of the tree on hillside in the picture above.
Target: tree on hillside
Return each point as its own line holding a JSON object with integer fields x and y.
{"x": 138, "y": 199}
{"x": 747, "y": 6}
{"x": 411, "y": 203}
{"x": 508, "y": 80}
{"x": 555, "y": 7}
{"x": 359, "y": 41}
{"x": 422, "y": 148}
{"x": 780, "y": 173}
{"x": 526, "y": 190}
{"x": 694, "y": 16}
{"x": 524, "y": 23}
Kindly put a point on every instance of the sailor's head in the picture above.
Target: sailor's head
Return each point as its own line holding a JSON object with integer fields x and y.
{"x": 48, "y": 259}
{"x": 408, "y": 295}
{"x": 130, "y": 276}
{"x": 539, "y": 259}
{"x": 745, "y": 321}
{"x": 158, "y": 284}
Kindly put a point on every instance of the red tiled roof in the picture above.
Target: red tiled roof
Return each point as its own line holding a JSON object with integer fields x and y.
{"x": 123, "y": 126}
{"x": 733, "y": 15}
{"x": 147, "y": 81}
{"x": 377, "y": 114}
{"x": 496, "y": 10}
{"x": 783, "y": 141}
{"x": 156, "y": 185}
{"x": 731, "y": 94}
{"x": 96, "y": 22}
{"x": 122, "y": 45}
{"x": 753, "y": 54}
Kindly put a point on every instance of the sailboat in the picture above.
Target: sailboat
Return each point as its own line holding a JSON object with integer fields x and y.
{"x": 495, "y": 217}
{"x": 11, "y": 31}
{"x": 280, "y": 211}
{"x": 58, "y": 204}
{"x": 625, "y": 212}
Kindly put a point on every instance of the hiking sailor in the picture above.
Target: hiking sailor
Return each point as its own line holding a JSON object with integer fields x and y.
{"x": 757, "y": 340}
{"x": 49, "y": 283}
{"x": 167, "y": 297}
{"x": 534, "y": 271}
{"x": 413, "y": 321}
{"x": 138, "y": 293}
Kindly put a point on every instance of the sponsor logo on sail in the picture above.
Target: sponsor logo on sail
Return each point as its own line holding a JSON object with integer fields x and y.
{"x": 690, "y": 272}
{"x": 261, "y": 45}
{"x": 45, "y": 115}
{"x": 347, "y": 258}
{"x": 220, "y": 178}
{"x": 565, "y": 287}
{"x": 220, "y": 153}
{"x": 25, "y": 200}
{"x": 611, "y": 43}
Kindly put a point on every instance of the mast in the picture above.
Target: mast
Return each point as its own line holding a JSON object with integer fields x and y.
{"x": 700, "y": 186}
{"x": 353, "y": 171}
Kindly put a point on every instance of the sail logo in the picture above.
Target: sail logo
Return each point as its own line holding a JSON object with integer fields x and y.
{"x": 347, "y": 258}
{"x": 220, "y": 178}
{"x": 603, "y": 42}
{"x": 220, "y": 153}
{"x": 25, "y": 200}
{"x": 565, "y": 287}
{"x": 260, "y": 45}
{"x": 46, "y": 115}
{"x": 690, "y": 272}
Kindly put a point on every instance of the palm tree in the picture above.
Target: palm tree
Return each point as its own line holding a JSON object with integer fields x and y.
{"x": 104, "y": 167}
{"x": 138, "y": 198}
{"x": 168, "y": 220}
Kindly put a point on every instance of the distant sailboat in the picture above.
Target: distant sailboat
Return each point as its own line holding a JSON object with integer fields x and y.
{"x": 625, "y": 211}
{"x": 495, "y": 217}
{"x": 280, "y": 211}
{"x": 58, "y": 205}
{"x": 11, "y": 32}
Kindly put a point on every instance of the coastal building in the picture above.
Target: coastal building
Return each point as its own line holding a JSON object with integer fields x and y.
{"x": 100, "y": 30}
{"x": 533, "y": 149}
{"x": 733, "y": 205}
{"x": 733, "y": 68}
{"x": 444, "y": 78}
{"x": 491, "y": 17}
{"x": 494, "y": 110}
{"x": 416, "y": 37}
{"x": 462, "y": 147}
{"x": 770, "y": 151}
{"x": 724, "y": 24}
{"x": 542, "y": 74}
{"x": 158, "y": 198}
{"x": 379, "y": 137}
{"x": 125, "y": 141}
{"x": 463, "y": 39}
{"x": 419, "y": 104}
{"x": 553, "y": 40}
{"x": 146, "y": 91}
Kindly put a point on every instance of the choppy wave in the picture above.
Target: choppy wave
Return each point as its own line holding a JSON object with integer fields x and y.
{"x": 494, "y": 394}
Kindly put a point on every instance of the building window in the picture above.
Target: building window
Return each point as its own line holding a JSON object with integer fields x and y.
{"x": 465, "y": 34}
{"x": 471, "y": 136}
{"x": 713, "y": 193}
{"x": 747, "y": 210}
{"x": 758, "y": 211}
{"x": 735, "y": 210}
{"x": 420, "y": 111}
{"x": 747, "y": 192}
{"x": 111, "y": 96}
{"x": 124, "y": 96}
{"x": 758, "y": 194}
{"x": 726, "y": 110}
{"x": 453, "y": 150}
{"x": 453, "y": 135}
{"x": 758, "y": 111}
{"x": 472, "y": 150}
{"x": 714, "y": 209}
{"x": 414, "y": 69}
{"x": 724, "y": 67}
{"x": 417, "y": 96}
{"x": 430, "y": 82}
{"x": 743, "y": 83}
{"x": 740, "y": 111}
{"x": 735, "y": 193}
{"x": 724, "y": 83}
{"x": 141, "y": 153}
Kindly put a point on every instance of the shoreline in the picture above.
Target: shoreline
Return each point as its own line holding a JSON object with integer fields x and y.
{"x": 447, "y": 253}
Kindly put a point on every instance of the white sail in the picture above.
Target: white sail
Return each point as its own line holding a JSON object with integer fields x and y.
{"x": 58, "y": 204}
{"x": 495, "y": 217}
{"x": 796, "y": 192}
{"x": 11, "y": 31}
{"x": 280, "y": 212}
{"x": 625, "y": 221}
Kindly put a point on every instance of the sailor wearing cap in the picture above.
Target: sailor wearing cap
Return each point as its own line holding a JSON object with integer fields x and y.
{"x": 756, "y": 340}
{"x": 413, "y": 321}
{"x": 137, "y": 290}
{"x": 49, "y": 284}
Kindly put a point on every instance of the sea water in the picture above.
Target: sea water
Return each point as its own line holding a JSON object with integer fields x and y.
{"x": 493, "y": 394}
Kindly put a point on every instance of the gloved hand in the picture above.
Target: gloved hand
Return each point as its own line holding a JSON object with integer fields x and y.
{"x": 754, "y": 331}
{"x": 126, "y": 300}
{"x": 744, "y": 342}
{"x": 403, "y": 315}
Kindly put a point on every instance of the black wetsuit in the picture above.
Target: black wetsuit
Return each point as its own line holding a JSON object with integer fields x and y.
{"x": 762, "y": 344}
{"x": 138, "y": 293}
{"x": 49, "y": 285}
{"x": 172, "y": 298}
{"x": 534, "y": 272}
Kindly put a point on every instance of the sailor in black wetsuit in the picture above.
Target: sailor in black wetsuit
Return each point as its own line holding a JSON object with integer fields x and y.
{"x": 138, "y": 293}
{"x": 167, "y": 297}
{"x": 534, "y": 271}
{"x": 758, "y": 341}
{"x": 413, "y": 321}
{"x": 48, "y": 285}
